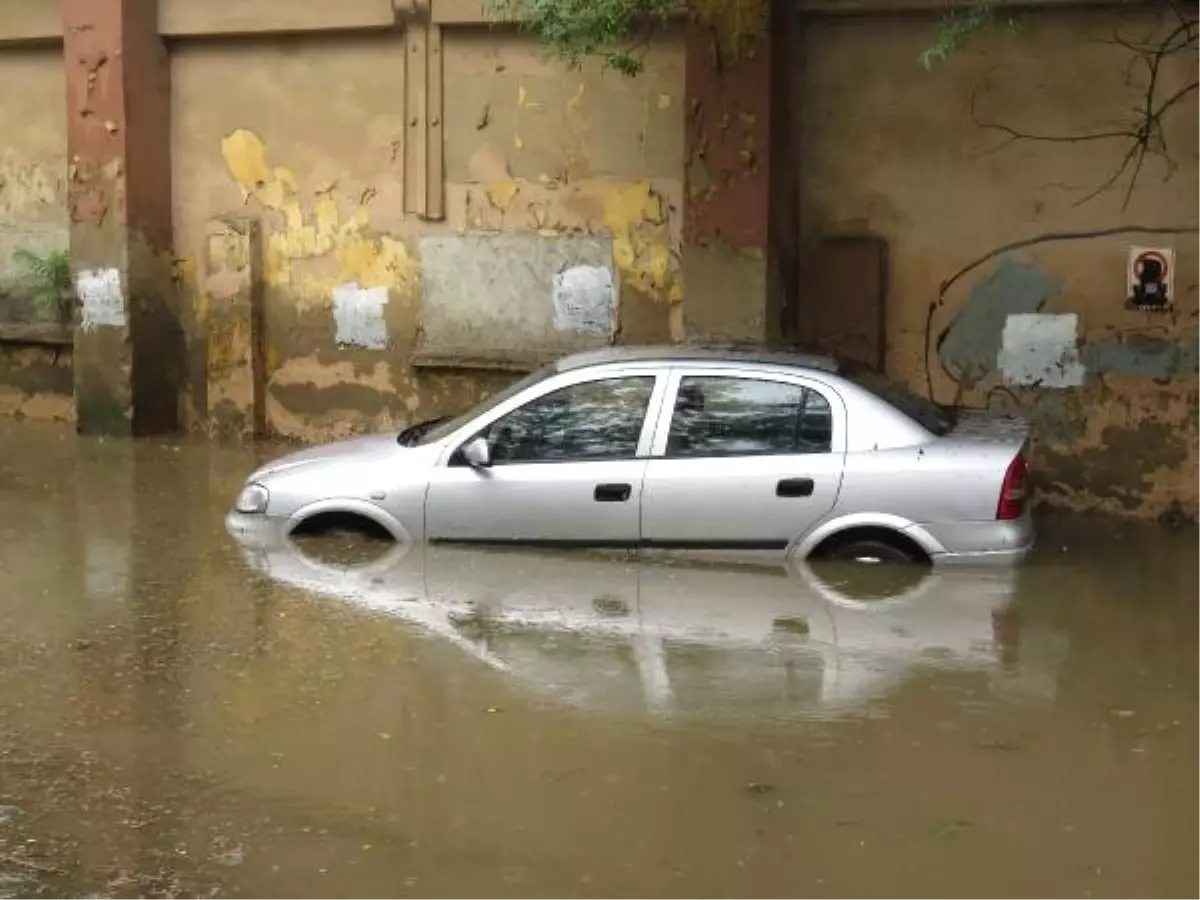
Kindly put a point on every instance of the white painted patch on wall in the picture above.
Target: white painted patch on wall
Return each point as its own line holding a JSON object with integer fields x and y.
{"x": 100, "y": 299}
{"x": 1041, "y": 350}
{"x": 583, "y": 300}
{"x": 358, "y": 313}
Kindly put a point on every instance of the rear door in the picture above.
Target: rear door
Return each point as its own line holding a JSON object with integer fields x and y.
{"x": 742, "y": 459}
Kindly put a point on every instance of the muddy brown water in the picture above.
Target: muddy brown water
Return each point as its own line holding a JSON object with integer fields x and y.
{"x": 182, "y": 714}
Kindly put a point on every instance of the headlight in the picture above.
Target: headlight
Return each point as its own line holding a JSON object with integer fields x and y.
{"x": 252, "y": 499}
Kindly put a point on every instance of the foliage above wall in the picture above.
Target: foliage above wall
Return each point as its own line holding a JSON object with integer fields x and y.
{"x": 617, "y": 31}
{"x": 958, "y": 26}
{"x": 614, "y": 31}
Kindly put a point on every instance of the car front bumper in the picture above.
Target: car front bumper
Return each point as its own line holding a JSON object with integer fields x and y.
{"x": 255, "y": 531}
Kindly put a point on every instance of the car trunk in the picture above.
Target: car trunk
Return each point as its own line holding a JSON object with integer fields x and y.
{"x": 1000, "y": 441}
{"x": 988, "y": 428}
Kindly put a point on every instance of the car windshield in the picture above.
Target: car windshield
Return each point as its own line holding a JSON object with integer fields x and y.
{"x": 434, "y": 430}
{"x": 933, "y": 417}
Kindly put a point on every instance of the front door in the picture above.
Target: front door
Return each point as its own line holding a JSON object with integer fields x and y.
{"x": 566, "y": 468}
{"x": 746, "y": 461}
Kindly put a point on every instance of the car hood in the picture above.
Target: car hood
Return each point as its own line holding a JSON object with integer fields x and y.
{"x": 362, "y": 448}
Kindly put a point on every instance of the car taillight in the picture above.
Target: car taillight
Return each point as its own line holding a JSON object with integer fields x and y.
{"x": 1012, "y": 491}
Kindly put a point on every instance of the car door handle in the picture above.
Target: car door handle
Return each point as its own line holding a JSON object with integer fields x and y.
{"x": 794, "y": 487}
{"x": 612, "y": 493}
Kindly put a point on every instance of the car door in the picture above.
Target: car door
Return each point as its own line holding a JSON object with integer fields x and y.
{"x": 566, "y": 466}
{"x": 742, "y": 459}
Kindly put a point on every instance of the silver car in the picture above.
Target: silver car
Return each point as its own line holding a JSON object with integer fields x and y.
{"x": 680, "y": 448}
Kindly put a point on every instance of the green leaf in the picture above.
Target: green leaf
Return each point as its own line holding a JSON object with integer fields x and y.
{"x": 611, "y": 31}
{"x": 50, "y": 275}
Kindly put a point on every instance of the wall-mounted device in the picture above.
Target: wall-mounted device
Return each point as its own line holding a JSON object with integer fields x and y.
{"x": 1150, "y": 278}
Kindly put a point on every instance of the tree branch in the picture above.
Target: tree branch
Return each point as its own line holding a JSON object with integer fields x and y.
{"x": 1146, "y": 134}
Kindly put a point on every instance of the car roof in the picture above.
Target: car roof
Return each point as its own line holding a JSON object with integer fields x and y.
{"x": 699, "y": 353}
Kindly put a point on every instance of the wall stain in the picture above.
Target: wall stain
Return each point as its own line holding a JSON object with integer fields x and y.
{"x": 1120, "y": 473}
{"x": 969, "y": 345}
{"x": 323, "y": 230}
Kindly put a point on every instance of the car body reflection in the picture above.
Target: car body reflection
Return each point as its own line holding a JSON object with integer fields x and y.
{"x": 684, "y": 637}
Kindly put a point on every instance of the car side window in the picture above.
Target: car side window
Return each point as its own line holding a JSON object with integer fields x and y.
{"x": 723, "y": 416}
{"x": 592, "y": 420}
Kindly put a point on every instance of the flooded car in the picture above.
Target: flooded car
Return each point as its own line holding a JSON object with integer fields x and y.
{"x": 680, "y": 448}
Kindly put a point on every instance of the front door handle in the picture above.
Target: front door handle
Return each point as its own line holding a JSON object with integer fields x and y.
{"x": 794, "y": 487}
{"x": 612, "y": 493}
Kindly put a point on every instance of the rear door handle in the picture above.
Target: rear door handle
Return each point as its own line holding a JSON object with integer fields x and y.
{"x": 612, "y": 493}
{"x": 794, "y": 487}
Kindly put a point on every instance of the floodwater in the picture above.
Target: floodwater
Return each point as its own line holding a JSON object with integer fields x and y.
{"x": 184, "y": 714}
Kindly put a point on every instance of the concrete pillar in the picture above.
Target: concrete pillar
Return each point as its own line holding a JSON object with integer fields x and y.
{"x": 233, "y": 299}
{"x": 128, "y": 347}
{"x": 739, "y": 226}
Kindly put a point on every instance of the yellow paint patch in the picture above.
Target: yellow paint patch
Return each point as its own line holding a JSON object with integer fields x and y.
{"x": 246, "y": 157}
{"x": 634, "y": 214}
{"x": 371, "y": 261}
{"x": 501, "y": 193}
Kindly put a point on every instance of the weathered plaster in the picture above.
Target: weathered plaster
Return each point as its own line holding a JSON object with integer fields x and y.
{"x": 36, "y": 383}
{"x": 1145, "y": 354}
{"x": 739, "y": 215}
{"x": 584, "y": 301}
{"x": 973, "y": 338}
{"x": 101, "y": 300}
{"x": 958, "y": 191}
{"x": 359, "y": 315}
{"x": 118, "y": 196}
{"x": 331, "y": 226}
{"x": 235, "y": 380}
{"x": 496, "y": 293}
{"x": 1041, "y": 350}
{"x": 530, "y": 149}
{"x": 33, "y": 167}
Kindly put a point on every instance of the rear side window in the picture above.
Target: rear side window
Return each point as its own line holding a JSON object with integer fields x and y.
{"x": 715, "y": 416}
{"x": 933, "y": 417}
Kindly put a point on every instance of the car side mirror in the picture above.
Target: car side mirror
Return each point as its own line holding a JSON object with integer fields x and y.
{"x": 477, "y": 454}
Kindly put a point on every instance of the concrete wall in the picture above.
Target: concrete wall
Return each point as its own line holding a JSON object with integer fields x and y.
{"x": 35, "y": 378}
{"x": 308, "y": 134}
{"x": 892, "y": 150}
{"x": 33, "y": 155}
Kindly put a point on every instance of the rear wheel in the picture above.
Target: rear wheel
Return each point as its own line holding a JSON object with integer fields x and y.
{"x": 871, "y": 545}
{"x": 870, "y": 550}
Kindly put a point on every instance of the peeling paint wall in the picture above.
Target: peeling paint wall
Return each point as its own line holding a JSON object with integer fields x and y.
{"x": 531, "y": 147}
{"x": 892, "y": 150}
{"x": 33, "y": 155}
{"x": 35, "y": 378}
{"x": 36, "y": 382}
{"x": 309, "y": 134}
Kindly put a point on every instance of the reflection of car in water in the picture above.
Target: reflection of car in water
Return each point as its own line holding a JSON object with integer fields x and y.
{"x": 679, "y": 637}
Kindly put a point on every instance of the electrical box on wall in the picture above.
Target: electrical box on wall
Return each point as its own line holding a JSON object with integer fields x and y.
{"x": 1150, "y": 278}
